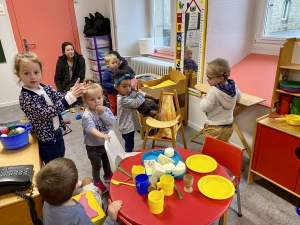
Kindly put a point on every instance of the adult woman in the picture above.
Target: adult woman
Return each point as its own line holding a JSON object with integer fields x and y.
{"x": 69, "y": 67}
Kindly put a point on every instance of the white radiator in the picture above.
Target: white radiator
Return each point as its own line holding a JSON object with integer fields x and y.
{"x": 142, "y": 65}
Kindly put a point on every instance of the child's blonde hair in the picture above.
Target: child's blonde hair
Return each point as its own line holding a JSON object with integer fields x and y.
{"x": 109, "y": 57}
{"x": 26, "y": 57}
{"x": 187, "y": 48}
{"x": 220, "y": 67}
{"x": 92, "y": 85}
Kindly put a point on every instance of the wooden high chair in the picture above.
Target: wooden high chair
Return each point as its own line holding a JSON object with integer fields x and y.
{"x": 166, "y": 122}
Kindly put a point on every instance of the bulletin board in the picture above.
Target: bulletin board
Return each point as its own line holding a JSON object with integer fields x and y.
{"x": 2, "y": 56}
{"x": 190, "y": 30}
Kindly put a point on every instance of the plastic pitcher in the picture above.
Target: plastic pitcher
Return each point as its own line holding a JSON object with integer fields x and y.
{"x": 284, "y": 106}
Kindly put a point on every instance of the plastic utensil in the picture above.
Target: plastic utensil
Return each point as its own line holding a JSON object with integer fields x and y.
{"x": 178, "y": 192}
{"x": 123, "y": 171}
{"x": 120, "y": 182}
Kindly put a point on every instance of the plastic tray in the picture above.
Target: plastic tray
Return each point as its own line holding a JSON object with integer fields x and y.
{"x": 154, "y": 155}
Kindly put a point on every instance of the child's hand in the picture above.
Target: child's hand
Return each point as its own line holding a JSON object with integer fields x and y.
{"x": 203, "y": 96}
{"x": 150, "y": 96}
{"x": 113, "y": 209}
{"x": 100, "y": 109}
{"x": 78, "y": 88}
{"x": 106, "y": 137}
{"x": 133, "y": 88}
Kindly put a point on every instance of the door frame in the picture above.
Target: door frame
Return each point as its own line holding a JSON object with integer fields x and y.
{"x": 17, "y": 35}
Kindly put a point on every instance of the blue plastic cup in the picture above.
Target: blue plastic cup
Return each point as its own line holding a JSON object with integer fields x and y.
{"x": 142, "y": 183}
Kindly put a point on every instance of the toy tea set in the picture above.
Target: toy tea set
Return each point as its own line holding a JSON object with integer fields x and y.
{"x": 162, "y": 167}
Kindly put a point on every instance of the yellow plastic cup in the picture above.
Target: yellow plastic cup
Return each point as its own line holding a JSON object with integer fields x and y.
{"x": 136, "y": 170}
{"x": 166, "y": 184}
{"x": 156, "y": 201}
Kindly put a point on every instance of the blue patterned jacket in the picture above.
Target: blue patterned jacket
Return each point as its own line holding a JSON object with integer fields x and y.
{"x": 40, "y": 114}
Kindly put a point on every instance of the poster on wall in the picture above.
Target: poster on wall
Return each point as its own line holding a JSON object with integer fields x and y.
{"x": 192, "y": 28}
{"x": 2, "y": 56}
{"x": 190, "y": 31}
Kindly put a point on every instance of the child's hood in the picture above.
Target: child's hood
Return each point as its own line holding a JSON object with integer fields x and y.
{"x": 226, "y": 93}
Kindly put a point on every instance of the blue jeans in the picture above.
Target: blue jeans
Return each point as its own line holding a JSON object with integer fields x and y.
{"x": 129, "y": 141}
{"x": 49, "y": 152}
{"x": 97, "y": 154}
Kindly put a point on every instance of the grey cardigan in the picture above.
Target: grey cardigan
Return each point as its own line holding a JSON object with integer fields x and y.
{"x": 127, "y": 112}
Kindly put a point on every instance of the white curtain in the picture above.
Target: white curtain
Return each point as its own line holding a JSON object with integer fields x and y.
{"x": 130, "y": 21}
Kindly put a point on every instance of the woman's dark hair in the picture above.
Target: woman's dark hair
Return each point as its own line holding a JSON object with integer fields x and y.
{"x": 119, "y": 73}
{"x": 64, "y": 45}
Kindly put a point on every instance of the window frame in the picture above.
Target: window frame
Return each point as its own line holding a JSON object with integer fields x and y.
{"x": 261, "y": 19}
{"x": 166, "y": 50}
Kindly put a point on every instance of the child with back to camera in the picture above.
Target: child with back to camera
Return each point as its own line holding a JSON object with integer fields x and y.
{"x": 218, "y": 104}
{"x": 127, "y": 107}
{"x": 96, "y": 122}
{"x": 56, "y": 183}
{"x": 112, "y": 63}
{"x": 189, "y": 63}
{"x": 43, "y": 105}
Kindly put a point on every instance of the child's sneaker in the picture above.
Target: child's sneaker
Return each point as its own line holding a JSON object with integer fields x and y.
{"x": 107, "y": 179}
{"x": 101, "y": 186}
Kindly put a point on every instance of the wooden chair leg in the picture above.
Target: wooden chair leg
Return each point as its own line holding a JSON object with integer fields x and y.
{"x": 153, "y": 143}
{"x": 141, "y": 134}
{"x": 183, "y": 136}
{"x": 145, "y": 137}
{"x": 173, "y": 137}
{"x": 196, "y": 135}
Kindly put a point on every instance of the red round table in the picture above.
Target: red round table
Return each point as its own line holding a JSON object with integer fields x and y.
{"x": 194, "y": 208}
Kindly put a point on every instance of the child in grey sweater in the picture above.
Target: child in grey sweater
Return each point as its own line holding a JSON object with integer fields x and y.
{"x": 96, "y": 122}
{"x": 127, "y": 107}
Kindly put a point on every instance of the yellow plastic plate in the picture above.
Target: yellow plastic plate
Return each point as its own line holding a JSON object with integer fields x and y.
{"x": 201, "y": 163}
{"x": 291, "y": 119}
{"x": 216, "y": 187}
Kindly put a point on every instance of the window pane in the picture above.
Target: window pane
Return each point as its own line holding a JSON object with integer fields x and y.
{"x": 162, "y": 23}
{"x": 282, "y": 18}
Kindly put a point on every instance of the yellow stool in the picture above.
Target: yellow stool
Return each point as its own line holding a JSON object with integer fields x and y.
{"x": 93, "y": 203}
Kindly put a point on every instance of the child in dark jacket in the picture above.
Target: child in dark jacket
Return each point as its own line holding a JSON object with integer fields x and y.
{"x": 189, "y": 63}
{"x": 123, "y": 62}
{"x": 112, "y": 63}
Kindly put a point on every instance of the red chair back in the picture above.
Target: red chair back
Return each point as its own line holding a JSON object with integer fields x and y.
{"x": 225, "y": 154}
